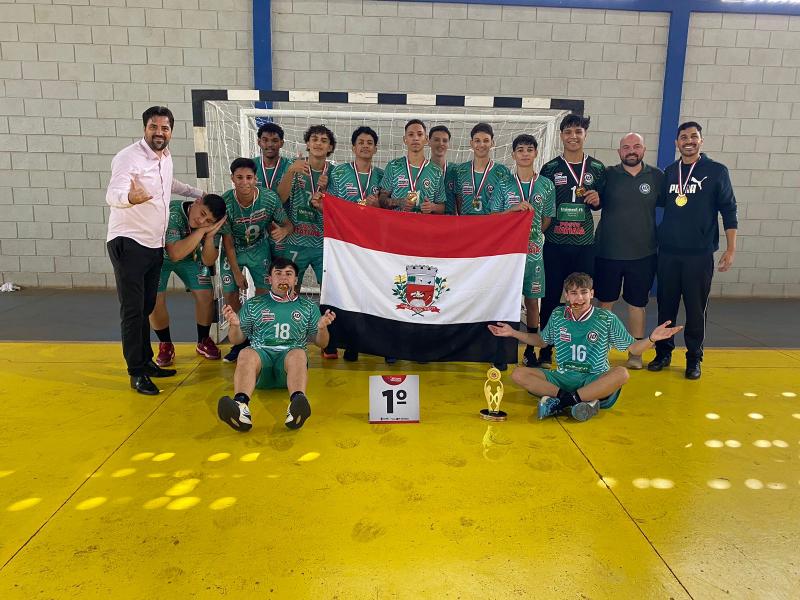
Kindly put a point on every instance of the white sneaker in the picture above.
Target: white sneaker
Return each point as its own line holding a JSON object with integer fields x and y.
{"x": 634, "y": 361}
{"x": 234, "y": 413}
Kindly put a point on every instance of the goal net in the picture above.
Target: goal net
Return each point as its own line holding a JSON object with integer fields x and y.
{"x": 231, "y": 127}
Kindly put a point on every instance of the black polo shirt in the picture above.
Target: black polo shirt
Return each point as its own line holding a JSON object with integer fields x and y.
{"x": 627, "y": 228}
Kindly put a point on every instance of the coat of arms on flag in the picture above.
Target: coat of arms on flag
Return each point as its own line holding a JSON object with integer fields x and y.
{"x": 419, "y": 289}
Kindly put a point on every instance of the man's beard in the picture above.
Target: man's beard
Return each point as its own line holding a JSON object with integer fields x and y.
{"x": 631, "y": 161}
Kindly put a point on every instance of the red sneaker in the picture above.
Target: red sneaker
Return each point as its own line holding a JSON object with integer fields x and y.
{"x": 327, "y": 353}
{"x": 166, "y": 354}
{"x": 208, "y": 349}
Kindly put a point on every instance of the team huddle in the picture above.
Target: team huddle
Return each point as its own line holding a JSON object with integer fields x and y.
{"x": 270, "y": 224}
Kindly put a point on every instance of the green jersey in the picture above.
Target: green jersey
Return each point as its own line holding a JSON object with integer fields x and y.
{"x": 178, "y": 229}
{"x": 474, "y": 189}
{"x": 450, "y": 170}
{"x": 274, "y": 323}
{"x": 582, "y": 346}
{"x": 427, "y": 180}
{"x": 306, "y": 219}
{"x": 270, "y": 177}
{"x": 250, "y": 225}
{"x": 512, "y": 191}
{"x": 345, "y": 183}
{"x": 573, "y": 224}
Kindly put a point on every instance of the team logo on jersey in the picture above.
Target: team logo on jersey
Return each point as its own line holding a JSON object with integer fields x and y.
{"x": 426, "y": 183}
{"x": 537, "y": 198}
{"x": 564, "y": 335}
{"x": 402, "y": 180}
{"x": 296, "y": 316}
{"x": 267, "y": 315}
{"x": 645, "y": 188}
{"x": 588, "y": 178}
{"x": 536, "y": 288}
{"x": 419, "y": 289}
{"x": 592, "y": 336}
{"x": 467, "y": 188}
{"x": 490, "y": 189}
{"x": 560, "y": 179}
{"x": 227, "y": 279}
{"x": 350, "y": 189}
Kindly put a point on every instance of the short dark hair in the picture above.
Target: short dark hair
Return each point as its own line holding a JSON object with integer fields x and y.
{"x": 158, "y": 111}
{"x": 573, "y": 120}
{"x": 482, "y": 128}
{"x": 215, "y": 204}
{"x": 439, "y": 128}
{"x": 280, "y": 262}
{"x": 243, "y": 163}
{"x": 524, "y": 139}
{"x": 361, "y": 131}
{"x": 320, "y": 130}
{"x": 270, "y": 128}
{"x": 578, "y": 281}
{"x": 415, "y": 122}
{"x": 689, "y": 125}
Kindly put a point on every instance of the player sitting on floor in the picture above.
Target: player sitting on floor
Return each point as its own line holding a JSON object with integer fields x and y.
{"x": 191, "y": 248}
{"x": 278, "y": 325}
{"x": 582, "y": 335}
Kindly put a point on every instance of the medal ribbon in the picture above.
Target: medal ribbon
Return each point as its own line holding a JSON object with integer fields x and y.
{"x": 530, "y": 191}
{"x": 271, "y": 181}
{"x": 362, "y": 198}
{"x": 681, "y": 185}
{"x": 411, "y": 181}
{"x": 476, "y": 191}
{"x": 583, "y": 169}
{"x": 250, "y": 214}
{"x": 314, "y": 187}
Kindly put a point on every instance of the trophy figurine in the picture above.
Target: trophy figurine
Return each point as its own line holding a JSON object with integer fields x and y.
{"x": 493, "y": 398}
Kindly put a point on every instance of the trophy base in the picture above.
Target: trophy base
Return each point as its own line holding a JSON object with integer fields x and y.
{"x": 488, "y": 415}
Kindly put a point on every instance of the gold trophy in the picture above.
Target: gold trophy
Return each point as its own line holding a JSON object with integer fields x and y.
{"x": 493, "y": 398}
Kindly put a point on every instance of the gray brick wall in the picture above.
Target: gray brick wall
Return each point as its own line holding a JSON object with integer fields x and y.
{"x": 741, "y": 84}
{"x": 75, "y": 78}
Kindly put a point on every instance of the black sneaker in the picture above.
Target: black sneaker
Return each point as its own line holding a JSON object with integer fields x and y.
{"x": 659, "y": 362}
{"x": 298, "y": 412}
{"x": 143, "y": 385}
{"x": 350, "y": 355}
{"x": 693, "y": 370}
{"x": 235, "y": 413}
{"x": 390, "y": 360}
{"x": 545, "y": 360}
{"x": 529, "y": 357}
{"x": 500, "y": 366}
{"x": 233, "y": 355}
{"x": 151, "y": 369}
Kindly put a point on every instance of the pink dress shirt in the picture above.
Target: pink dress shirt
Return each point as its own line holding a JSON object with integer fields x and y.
{"x": 144, "y": 223}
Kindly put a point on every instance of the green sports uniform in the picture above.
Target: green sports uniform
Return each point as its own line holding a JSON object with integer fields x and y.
{"x": 582, "y": 346}
{"x": 573, "y": 224}
{"x": 429, "y": 182}
{"x": 270, "y": 177}
{"x": 542, "y": 198}
{"x": 275, "y": 326}
{"x": 473, "y": 190}
{"x": 249, "y": 228}
{"x": 346, "y": 185}
{"x": 190, "y": 269}
{"x": 304, "y": 245}
{"x": 450, "y": 171}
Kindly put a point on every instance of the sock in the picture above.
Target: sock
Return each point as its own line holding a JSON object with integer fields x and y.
{"x": 163, "y": 335}
{"x": 530, "y": 349}
{"x": 566, "y": 399}
{"x": 202, "y": 332}
{"x": 241, "y": 346}
{"x": 242, "y": 397}
{"x": 577, "y": 396}
{"x": 294, "y": 395}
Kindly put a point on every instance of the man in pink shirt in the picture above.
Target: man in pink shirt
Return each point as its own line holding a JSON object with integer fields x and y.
{"x": 139, "y": 194}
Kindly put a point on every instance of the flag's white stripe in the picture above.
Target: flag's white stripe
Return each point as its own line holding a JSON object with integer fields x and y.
{"x": 481, "y": 289}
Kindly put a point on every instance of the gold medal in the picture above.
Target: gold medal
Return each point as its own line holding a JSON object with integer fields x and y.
{"x": 476, "y": 204}
{"x": 413, "y": 196}
{"x": 681, "y": 199}
{"x": 580, "y": 192}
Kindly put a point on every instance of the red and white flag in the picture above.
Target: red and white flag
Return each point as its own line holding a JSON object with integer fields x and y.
{"x": 423, "y": 287}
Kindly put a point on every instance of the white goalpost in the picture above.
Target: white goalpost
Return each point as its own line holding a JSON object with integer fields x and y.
{"x": 226, "y": 124}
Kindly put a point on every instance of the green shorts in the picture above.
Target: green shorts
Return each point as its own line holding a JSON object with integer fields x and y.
{"x": 533, "y": 282}
{"x": 304, "y": 257}
{"x": 273, "y": 369}
{"x": 569, "y": 381}
{"x": 256, "y": 259}
{"x": 193, "y": 275}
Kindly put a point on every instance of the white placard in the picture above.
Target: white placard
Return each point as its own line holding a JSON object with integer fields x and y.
{"x": 394, "y": 399}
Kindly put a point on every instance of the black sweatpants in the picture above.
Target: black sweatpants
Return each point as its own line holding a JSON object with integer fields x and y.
{"x": 137, "y": 270}
{"x": 687, "y": 277}
{"x": 561, "y": 260}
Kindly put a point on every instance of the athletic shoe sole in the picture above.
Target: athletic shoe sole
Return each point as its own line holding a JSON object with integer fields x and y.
{"x": 206, "y": 354}
{"x": 228, "y": 412}
{"x": 299, "y": 411}
{"x": 609, "y": 401}
{"x": 583, "y": 411}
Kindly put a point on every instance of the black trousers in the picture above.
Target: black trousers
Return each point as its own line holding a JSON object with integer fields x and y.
{"x": 561, "y": 260}
{"x": 687, "y": 277}
{"x": 137, "y": 270}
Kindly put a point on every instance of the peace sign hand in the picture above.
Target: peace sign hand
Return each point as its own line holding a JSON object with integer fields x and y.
{"x": 137, "y": 194}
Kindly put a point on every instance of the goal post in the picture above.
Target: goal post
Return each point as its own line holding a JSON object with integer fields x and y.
{"x": 225, "y": 124}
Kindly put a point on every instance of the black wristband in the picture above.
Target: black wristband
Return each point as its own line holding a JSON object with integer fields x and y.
{"x": 651, "y": 340}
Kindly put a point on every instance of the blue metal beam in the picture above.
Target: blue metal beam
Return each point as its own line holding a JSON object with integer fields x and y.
{"x": 672, "y": 92}
{"x": 262, "y": 44}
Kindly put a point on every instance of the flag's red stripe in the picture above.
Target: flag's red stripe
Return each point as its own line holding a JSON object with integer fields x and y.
{"x": 413, "y": 234}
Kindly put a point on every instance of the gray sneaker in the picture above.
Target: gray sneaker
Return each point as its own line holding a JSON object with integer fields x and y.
{"x": 634, "y": 361}
{"x": 583, "y": 411}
